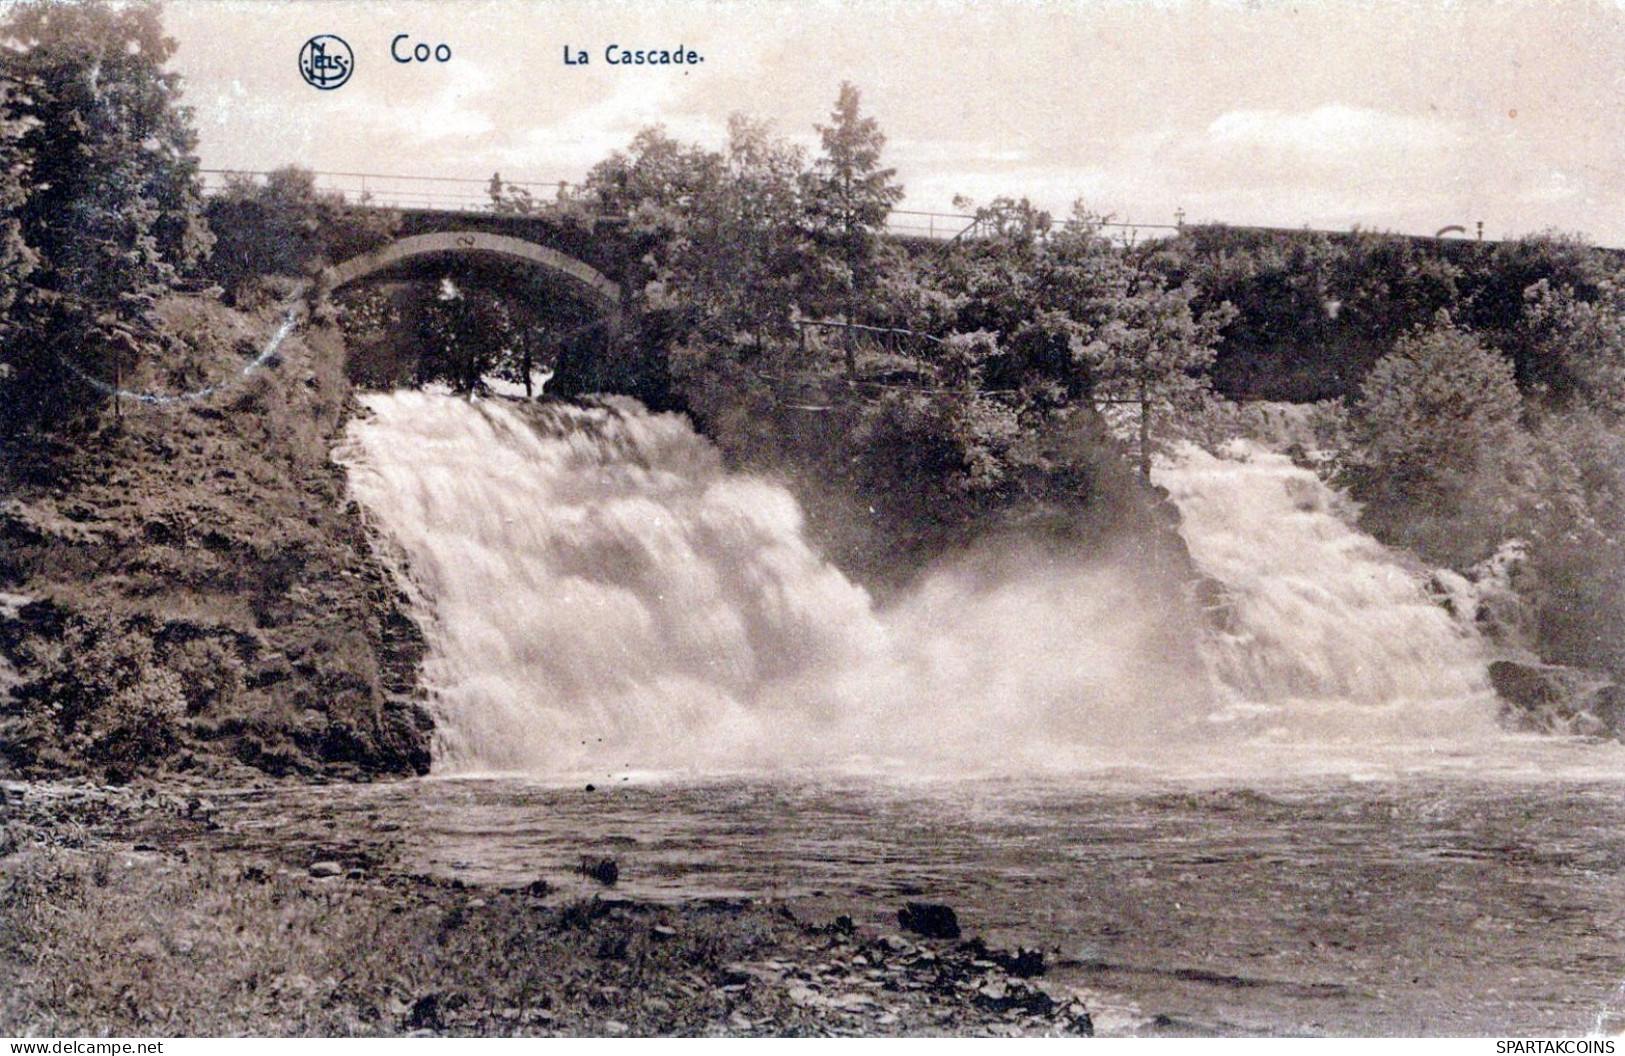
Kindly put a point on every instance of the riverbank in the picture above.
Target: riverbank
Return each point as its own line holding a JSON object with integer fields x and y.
{"x": 118, "y": 924}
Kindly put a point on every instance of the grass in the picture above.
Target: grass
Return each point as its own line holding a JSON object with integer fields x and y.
{"x": 111, "y": 926}
{"x": 130, "y": 944}
{"x": 102, "y": 933}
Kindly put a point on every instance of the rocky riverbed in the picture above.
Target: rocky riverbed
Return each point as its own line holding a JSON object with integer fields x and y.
{"x": 135, "y": 916}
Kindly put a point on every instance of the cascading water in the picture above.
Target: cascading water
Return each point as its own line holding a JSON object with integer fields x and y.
{"x": 599, "y": 592}
{"x": 1319, "y": 629}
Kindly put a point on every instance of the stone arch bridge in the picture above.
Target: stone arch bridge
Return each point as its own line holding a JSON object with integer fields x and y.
{"x": 586, "y": 281}
{"x": 565, "y": 259}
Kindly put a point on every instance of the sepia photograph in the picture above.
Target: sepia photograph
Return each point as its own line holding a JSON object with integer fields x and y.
{"x": 865, "y": 519}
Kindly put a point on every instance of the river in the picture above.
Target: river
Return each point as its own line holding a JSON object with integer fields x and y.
{"x": 1293, "y": 812}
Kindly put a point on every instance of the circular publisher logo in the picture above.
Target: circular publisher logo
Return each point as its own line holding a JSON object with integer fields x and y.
{"x": 326, "y": 62}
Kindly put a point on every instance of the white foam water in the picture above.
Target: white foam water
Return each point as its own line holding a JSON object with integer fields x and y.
{"x": 598, "y": 592}
{"x": 1318, "y": 628}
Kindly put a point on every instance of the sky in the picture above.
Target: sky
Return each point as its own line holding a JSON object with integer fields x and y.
{"x": 1407, "y": 117}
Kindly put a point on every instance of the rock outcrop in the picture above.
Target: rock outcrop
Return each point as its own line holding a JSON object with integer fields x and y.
{"x": 1551, "y": 698}
{"x": 188, "y": 586}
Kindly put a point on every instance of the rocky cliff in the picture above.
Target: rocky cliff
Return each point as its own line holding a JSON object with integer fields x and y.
{"x": 186, "y": 586}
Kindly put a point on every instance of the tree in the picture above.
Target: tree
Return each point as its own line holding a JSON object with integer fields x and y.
{"x": 722, "y": 241}
{"x": 113, "y": 206}
{"x": 848, "y": 198}
{"x": 656, "y": 183}
{"x": 1583, "y": 340}
{"x": 1496, "y": 301}
{"x": 1157, "y": 353}
{"x": 1443, "y": 460}
{"x": 1574, "y": 579}
{"x": 286, "y": 226}
{"x": 1077, "y": 319}
{"x": 468, "y": 335}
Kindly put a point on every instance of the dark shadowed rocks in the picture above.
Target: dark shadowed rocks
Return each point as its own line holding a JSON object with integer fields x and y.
{"x": 930, "y": 919}
{"x": 603, "y": 870}
{"x": 1551, "y": 698}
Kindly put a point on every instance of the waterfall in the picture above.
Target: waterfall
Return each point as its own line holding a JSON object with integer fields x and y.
{"x": 1315, "y": 626}
{"x": 600, "y": 592}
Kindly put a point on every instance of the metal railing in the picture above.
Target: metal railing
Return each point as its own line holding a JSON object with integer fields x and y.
{"x": 457, "y": 194}
{"x": 452, "y": 194}
{"x": 461, "y": 194}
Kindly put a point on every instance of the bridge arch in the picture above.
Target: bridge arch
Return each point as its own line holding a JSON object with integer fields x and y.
{"x": 589, "y": 281}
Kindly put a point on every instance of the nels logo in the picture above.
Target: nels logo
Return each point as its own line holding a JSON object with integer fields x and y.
{"x": 326, "y": 62}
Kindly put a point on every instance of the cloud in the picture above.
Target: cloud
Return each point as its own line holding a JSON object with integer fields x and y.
{"x": 1400, "y": 116}
{"x": 1332, "y": 136}
{"x": 458, "y": 108}
{"x": 566, "y": 145}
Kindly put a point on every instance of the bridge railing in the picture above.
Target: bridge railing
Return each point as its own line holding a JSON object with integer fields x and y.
{"x": 451, "y": 194}
{"x": 455, "y": 194}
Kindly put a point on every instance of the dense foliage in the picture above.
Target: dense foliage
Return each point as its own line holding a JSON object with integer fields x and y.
{"x": 285, "y": 227}
{"x": 103, "y": 203}
{"x": 1441, "y": 457}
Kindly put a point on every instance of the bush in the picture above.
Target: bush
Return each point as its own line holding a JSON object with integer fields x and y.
{"x": 1575, "y": 574}
{"x": 285, "y": 227}
{"x": 1441, "y": 460}
{"x": 103, "y": 696}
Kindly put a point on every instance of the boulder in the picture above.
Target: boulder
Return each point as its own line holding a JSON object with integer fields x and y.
{"x": 1530, "y": 688}
{"x": 1551, "y": 698}
{"x": 930, "y": 919}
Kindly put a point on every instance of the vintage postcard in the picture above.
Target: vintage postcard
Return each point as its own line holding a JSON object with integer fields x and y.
{"x": 865, "y": 519}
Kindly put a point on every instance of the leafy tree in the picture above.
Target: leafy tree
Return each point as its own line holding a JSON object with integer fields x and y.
{"x": 1313, "y": 310}
{"x": 1157, "y": 353}
{"x": 1495, "y": 294}
{"x": 1574, "y": 579}
{"x": 1286, "y": 306}
{"x": 1444, "y": 462}
{"x": 1584, "y": 340}
{"x": 286, "y": 227}
{"x": 847, "y": 199}
{"x": 1385, "y": 286}
{"x": 723, "y": 243}
{"x": 1076, "y": 318}
{"x": 748, "y": 266}
{"x": 113, "y": 207}
{"x": 468, "y": 336}
{"x": 657, "y": 184}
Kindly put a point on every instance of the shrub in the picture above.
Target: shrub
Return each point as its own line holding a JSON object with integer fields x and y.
{"x": 1576, "y": 569}
{"x": 1441, "y": 459}
{"x": 103, "y": 696}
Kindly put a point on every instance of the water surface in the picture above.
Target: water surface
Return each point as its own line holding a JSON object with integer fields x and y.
{"x": 1413, "y": 904}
